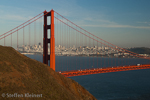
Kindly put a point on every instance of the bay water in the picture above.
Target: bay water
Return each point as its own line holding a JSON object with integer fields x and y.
{"x": 125, "y": 85}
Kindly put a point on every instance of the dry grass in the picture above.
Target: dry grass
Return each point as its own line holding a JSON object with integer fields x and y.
{"x": 20, "y": 74}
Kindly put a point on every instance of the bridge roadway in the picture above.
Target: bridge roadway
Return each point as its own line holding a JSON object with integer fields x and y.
{"x": 103, "y": 70}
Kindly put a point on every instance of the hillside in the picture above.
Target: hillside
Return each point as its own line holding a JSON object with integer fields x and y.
{"x": 140, "y": 50}
{"x": 20, "y": 75}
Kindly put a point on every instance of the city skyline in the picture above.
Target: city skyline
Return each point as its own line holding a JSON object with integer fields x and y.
{"x": 123, "y": 23}
{"x": 95, "y": 51}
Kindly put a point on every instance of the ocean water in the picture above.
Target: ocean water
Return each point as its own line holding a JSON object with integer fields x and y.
{"x": 125, "y": 85}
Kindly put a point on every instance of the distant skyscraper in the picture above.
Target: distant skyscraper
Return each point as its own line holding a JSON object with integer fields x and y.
{"x": 59, "y": 46}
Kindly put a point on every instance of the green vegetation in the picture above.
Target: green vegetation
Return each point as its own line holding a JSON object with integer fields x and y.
{"x": 20, "y": 74}
{"x": 140, "y": 50}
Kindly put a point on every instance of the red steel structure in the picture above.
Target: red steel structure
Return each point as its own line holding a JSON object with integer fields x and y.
{"x": 103, "y": 70}
{"x": 50, "y": 57}
{"x": 78, "y": 33}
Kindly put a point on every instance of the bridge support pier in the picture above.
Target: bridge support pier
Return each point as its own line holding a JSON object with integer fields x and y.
{"x": 50, "y": 57}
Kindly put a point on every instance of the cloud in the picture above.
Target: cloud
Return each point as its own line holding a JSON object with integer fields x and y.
{"x": 143, "y": 22}
{"x": 117, "y": 26}
{"x": 99, "y": 20}
{"x": 14, "y": 17}
{"x": 102, "y": 22}
{"x": 16, "y": 14}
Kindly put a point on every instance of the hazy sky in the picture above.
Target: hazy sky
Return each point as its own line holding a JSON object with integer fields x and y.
{"x": 125, "y": 23}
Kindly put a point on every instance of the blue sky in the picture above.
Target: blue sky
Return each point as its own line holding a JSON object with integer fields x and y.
{"x": 125, "y": 23}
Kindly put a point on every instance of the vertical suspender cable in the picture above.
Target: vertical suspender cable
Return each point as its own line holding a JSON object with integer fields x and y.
{"x": 89, "y": 52}
{"x": 76, "y": 48}
{"x": 115, "y": 57}
{"x": 60, "y": 41}
{"x": 35, "y": 39}
{"x": 67, "y": 45}
{"x": 39, "y": 34}
{"x": 17, "y": 38}
{"x": 101, "y": 54}
{"x": 23, "y": 39}
{"x": 97, "y": 54}
{"x": 62, "y": 36}
{"x": 108, "y": 54}
{"x": 111, "y": 57}
{"x": 11, "y": 39}
{"x": 93, "y": 53}
{"x": 86, "y": 51}
{"x": 69, "y": 48}
{"x": 29, "y": 39}
{"x": 104, "y": 56}
{"x": 80, "y": 49}
{"x": 4, "y": 40}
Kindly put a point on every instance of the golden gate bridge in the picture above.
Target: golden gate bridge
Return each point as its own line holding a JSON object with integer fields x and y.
{"x": 56, "y": 29}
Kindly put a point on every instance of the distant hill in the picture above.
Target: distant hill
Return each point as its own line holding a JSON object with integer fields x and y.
{"x": 20, "y": 75}
{"x": 140, "y": 50}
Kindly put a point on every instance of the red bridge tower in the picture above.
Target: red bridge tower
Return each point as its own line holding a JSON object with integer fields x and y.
{"x": 50, "y": 57}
